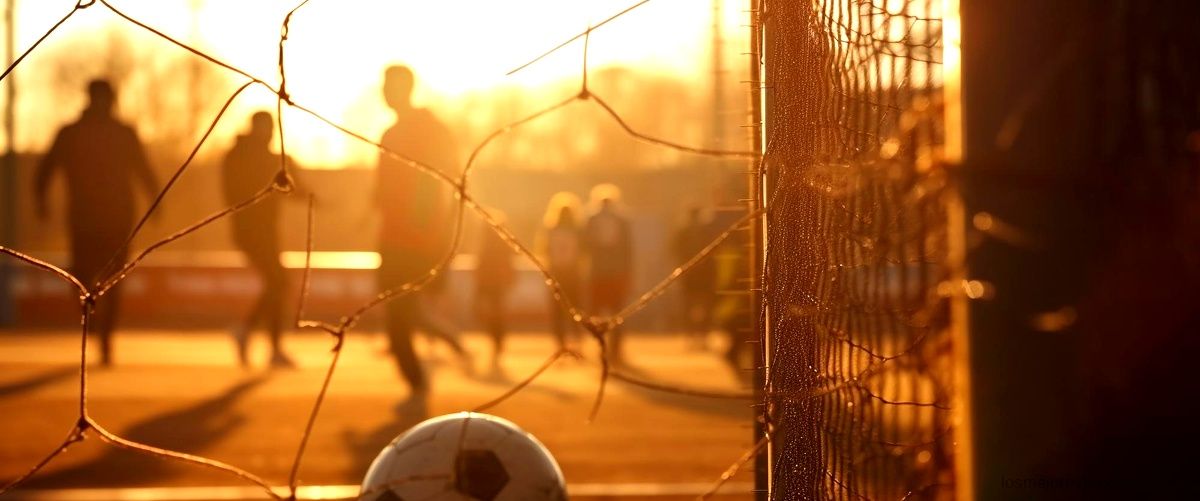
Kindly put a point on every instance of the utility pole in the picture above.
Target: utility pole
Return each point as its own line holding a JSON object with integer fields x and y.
{"x": 757, "y": 186}
{"x": 9, "y": 183}
{"x": 195, "y": 69}
{"x": 718, "y": 78}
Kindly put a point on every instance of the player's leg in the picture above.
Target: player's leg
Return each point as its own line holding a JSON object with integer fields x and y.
{"x": 695, "y": 316}
{"x": 399, "y": 320}
{"x": 241, "y": 333}
{"x": 615, "y": 301}
{"x": 573, "y": 289}
{"x": 432, "y": 299}
{"x": 602, "y": 302}
{"x": 558, "y": 321}
{"x": 494, "y": 304}
{"x": 687, "y": 314}
{"x": 104, "y": 320}
{"x": 435, "y": 330}
{"x": 274, "y": 295}
{"x": 91, "y": 247}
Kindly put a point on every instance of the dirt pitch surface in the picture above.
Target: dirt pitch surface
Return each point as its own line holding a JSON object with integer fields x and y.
{"x": 183, "y": 391}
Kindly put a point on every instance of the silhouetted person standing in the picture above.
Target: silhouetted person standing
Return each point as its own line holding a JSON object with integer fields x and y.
{"x": 416, "y": 218}
{"x": 494, "y": 278}
{"x": 561, "y": 247}
{"x": 610, "y": 255}
{"x": 102, "y": 159}
{"x": 249, "y": 167}
{"x": 700, "y": 282}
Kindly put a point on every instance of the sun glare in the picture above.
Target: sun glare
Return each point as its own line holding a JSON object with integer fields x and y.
{"x": 460, "y": 51}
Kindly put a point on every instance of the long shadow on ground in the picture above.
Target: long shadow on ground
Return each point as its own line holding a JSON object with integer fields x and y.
{"x": 35, "y": 382}
{"x": 365, "y": 447}
{"x": 192, "y": 429}
{"x": 740, "y": 409}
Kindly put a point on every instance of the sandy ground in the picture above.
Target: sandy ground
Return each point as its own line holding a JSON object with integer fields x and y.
{"x": 184, "y": 392}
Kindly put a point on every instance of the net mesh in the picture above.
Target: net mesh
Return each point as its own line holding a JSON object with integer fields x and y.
{"x": 856, "y": 321}
{"x": 598, "y": 326}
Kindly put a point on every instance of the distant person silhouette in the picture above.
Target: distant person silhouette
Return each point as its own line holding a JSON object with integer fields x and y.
{"x": 416, "y": 219}
{"x": 560, "y": 245}
{"x": 610, "y": 256}
{"x": 494, "y": 278}
{"x": 700, "y": 282}
{"x": 248, "y": 167}
{"x": 103, "y": 159}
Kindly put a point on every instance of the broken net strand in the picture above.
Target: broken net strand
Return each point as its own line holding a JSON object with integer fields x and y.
{"x": 551, "y": 282}
{"x": 866, "y": 391}
{"x": 128, "y": 267}
{"x": 605, "y": 367}
{"x": 293, "y": 477}
{"x": 86, "y": 303}
{"x": 337, "y": 353}
{"x": 556, "y": 287}
{"x": 288, "y": 183}
{"x": 305, "y": 282}
{"x": 44, "y": 36}
{"x": 587, "y": 42}
{"x": 174, "y": 178}
{"x": 509, "y": 128}
{"x": 525, "y": 382}
{"x": 464, "y": 200}
{"x": 186, "y": 47}
{"x": 306, "y": 277}
{"x": 619, "y": 375}
{"x": 282, "y": 179}
{"x": 182, "y": 457}
{"x": 73, "y": 436}
{"x": 661, "y": 287}
{"x": 38, "y": 263}
{"x": 577, "y": 37}
{"x": 412, "y": 286}
{"x": 400, "y": 157}
{"x": 733, "y": 469}
{"x": 662, "y": 142}
{"x": 283, "y": 36}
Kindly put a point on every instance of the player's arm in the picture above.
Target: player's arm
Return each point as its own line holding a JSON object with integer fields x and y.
{"x": 45, "y": 172}
{"x": 141, "y": 167}
{"x": 383, "y": 162}
{"x": 377, "y": 185}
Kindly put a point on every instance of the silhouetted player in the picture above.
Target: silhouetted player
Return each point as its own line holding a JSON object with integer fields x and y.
{"x": 700, "y": 282}
{"x": 494, "y": 278}
{"x": 416, "y": 219}
{"x": 610, "y": 254}
{"x": 561, "y": 247}
{"x": 250, "y": 166}
{"x": 102, "y": 159}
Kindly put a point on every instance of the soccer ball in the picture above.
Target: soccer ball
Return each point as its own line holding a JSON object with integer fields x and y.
{"x": 464, "y": 456}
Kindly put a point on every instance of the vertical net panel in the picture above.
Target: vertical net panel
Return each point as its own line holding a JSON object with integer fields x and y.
{"x": 854, "y": 282}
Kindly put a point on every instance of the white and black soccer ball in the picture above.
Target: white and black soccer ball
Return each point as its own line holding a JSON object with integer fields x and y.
{"x": 464, "y": 456}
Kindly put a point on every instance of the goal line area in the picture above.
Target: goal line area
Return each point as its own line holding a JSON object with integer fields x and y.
{"x": 688, "y": 490}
